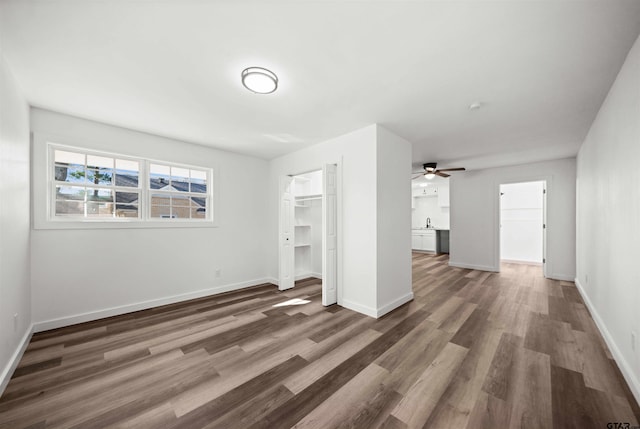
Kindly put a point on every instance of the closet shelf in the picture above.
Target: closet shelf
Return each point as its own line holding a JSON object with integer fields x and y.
{"x": 303, "y": 245}
{"x": 309, "y": 197}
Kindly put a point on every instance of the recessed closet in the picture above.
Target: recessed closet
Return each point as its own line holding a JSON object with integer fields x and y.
{"x": 307, "y": 192}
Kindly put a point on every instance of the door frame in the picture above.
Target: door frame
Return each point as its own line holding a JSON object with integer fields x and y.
{"x": 339, "y": 209}
{"x": 548, "y": 186}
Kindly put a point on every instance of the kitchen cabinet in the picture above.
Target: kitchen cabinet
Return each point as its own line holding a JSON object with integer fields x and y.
{"x": 423, "y": 240}
{"x": 443, "y": 196}
{"x": 427, "y": 191}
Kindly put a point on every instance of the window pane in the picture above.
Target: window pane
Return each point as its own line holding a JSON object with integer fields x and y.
{"x": 69, "y": 208}
{"x": 127, "y": 210}
{"x": 127, "y": 165}
{"x": 180, "y": 179}
{"x": 64, "y": 157}
{"x": 73, "y": 173}
{"x": 100, "y": 209}
{"x": 159, "y": 176}
{"x": 127, "y": 197}
{"x": 70, "y": 193}
{"x": 160, "y": 211}
{"x": 160, "y": 200}
{"x": 198, "y": 181}
{"x": 179, "y": 201}
{"x": 99, "y": 162}
{"x": 180, "y": 174}
{"x": 163, "y": 170}
{"x": 127, "y": 173}
{"x": 198, "y": 210}
{"x": 102, "y": 176}
{"x": 180, "y": 212}
{"x": 199, "y": 202}
{"x": 102, "y": 195}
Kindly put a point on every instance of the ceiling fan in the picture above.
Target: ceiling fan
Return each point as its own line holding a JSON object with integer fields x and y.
{"x": 430, "y": 171}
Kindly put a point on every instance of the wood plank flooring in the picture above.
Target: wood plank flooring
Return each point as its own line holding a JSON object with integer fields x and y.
{"x": 474, "y": 350}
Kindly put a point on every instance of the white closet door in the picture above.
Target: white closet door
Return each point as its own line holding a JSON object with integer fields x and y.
{"x": 330, "y": 235}
{"x": 287, "y": 238}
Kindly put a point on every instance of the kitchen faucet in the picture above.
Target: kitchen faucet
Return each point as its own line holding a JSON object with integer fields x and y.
{"x": 428, "y": 222}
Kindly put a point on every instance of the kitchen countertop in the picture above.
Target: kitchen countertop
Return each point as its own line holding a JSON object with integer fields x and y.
{"x": 430, "y": 229}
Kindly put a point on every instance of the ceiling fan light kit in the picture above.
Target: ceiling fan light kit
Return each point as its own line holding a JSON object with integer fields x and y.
{"x": 431, "y": 171}
{"x": 259, "y": 80}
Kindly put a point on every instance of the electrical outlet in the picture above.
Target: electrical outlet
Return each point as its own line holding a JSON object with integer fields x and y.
{"x": 15, "y": 322}
{"x": 218, "y": 273}
{"x": 633, "y": 340}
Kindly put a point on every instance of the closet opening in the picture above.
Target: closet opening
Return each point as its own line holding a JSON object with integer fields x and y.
{"x": 309, "y": 230}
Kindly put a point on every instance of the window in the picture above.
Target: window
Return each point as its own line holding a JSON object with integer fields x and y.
{"x": 177, "y": 192}
{"x": 92, "y": 186}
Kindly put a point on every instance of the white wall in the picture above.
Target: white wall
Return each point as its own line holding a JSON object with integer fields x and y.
{"x": 474, "y": 238}
{"x": 608, "y": 231}
{"x": 355, "y": 153}
{"x": 521, "y": 221}
{"x": 83, "y": 274}
{"x": 357, "y": 156}
{"x": 15, "y": 293}
{"x": 394, "y": 221}
{"x": 428, "y": 207}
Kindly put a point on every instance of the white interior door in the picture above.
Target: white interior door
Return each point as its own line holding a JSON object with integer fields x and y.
{"x": 287, "y": 239}
{"x": 329, "y": 235}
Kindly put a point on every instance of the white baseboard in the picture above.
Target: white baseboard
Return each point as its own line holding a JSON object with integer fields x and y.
{"x": 307, "y": 275}
{"x": 473, "y": 266}
{"x": 625, "y": 368}
{"x": 394, "y": 304}
{"x": 368, "y": 311}
{"x": 272, "y": 280}
{"x": 381, "y": 311}
{"x": 8, "y": 370}
{"x": 562, "y": 277}
{"x": 514, "y": 261}
{"x": 123, "y": 309}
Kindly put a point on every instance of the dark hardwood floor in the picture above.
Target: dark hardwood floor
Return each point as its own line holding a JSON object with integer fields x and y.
{"x": 474, "y": 349}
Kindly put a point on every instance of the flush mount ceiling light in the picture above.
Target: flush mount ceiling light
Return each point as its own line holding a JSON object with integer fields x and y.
{"x": 259, "y": 80}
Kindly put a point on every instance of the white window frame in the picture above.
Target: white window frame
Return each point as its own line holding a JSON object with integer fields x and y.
{"x": 206, "y": 196}
{"x": 144, "y": 218}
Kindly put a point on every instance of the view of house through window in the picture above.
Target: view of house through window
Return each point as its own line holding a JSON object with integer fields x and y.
{"x": 100, "y": 186}
{"x": 177, "y": 192}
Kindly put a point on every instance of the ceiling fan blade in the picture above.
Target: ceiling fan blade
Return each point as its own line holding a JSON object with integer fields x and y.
{"x": 453, "y": 169}
{"x": 419, "y": 175}
{"x": 438, "y": 173}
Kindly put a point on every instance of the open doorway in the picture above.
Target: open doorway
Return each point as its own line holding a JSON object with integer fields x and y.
{"x": 523, "y": 223}
{"x": 309, "y": 230}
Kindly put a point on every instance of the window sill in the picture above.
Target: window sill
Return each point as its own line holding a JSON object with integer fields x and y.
{"x": 121, "y": 224}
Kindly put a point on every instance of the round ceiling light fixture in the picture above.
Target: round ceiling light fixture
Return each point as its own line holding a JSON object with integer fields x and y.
{"x": 429, "y": 176}
{"x": 259, "y": 80}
